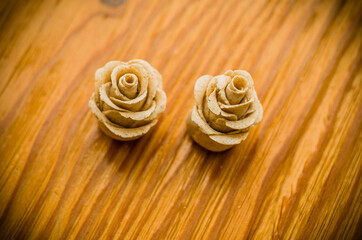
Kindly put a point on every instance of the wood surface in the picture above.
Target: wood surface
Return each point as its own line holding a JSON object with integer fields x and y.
{"x": 297, "y": 176}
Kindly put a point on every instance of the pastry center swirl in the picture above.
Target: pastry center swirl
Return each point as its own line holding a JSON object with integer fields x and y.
{"x": 128, "y": 85}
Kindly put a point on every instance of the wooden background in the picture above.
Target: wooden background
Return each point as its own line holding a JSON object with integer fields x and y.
{"x": 297, "y": 176}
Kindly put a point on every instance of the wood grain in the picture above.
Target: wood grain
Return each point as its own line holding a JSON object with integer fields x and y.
{"x": 297, "y": 176}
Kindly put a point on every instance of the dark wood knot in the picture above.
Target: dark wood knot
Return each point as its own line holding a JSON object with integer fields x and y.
{"x": 113, "y": 3}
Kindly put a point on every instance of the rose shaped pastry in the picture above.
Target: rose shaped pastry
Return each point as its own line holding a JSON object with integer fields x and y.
{"x": 128, "y": 98}
{"x": 225, "y": 110}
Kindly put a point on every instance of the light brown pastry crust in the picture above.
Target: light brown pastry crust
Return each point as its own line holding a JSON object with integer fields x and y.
{"x": 226, "y": 108}
{"x": 128, "y": 98}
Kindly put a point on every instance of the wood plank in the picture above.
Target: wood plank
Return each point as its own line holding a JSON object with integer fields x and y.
{"x": 297, "y": 176}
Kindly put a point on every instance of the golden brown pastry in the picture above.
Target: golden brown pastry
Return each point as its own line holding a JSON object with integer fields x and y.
{"x": 226, "y": 108}
{"x": 128, "y": 98}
